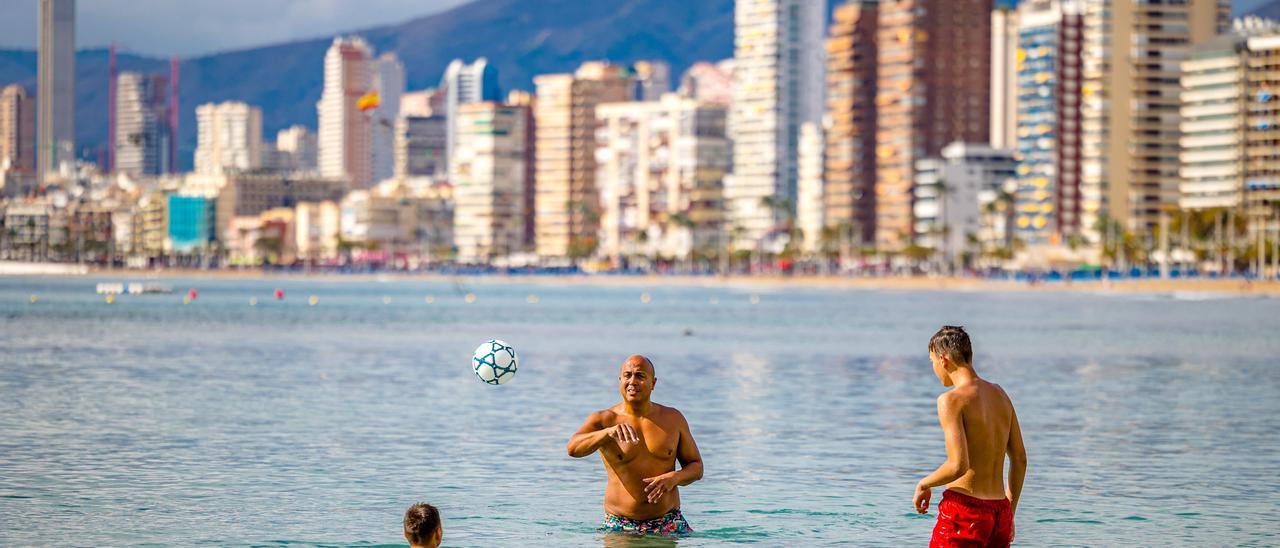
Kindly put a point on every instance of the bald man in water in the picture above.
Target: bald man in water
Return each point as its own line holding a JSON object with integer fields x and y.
{"x": 640, "y": 442}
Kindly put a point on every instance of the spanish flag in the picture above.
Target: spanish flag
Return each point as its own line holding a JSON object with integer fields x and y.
{"x": 369, "y": 101}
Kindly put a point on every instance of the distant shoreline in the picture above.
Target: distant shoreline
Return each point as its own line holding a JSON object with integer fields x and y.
{"x": 1238, "y": 287}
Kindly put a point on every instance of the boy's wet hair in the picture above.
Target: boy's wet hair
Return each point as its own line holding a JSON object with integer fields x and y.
{"x": 953, "y": 343}
{"x": 420, "y": 523}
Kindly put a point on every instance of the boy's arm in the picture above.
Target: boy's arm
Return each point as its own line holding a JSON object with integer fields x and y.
{"x": 957, "y": 452}
{"x": 1017, "y": 461}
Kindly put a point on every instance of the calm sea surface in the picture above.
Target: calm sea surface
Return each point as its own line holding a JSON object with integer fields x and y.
{"x": 1149, "y": 420}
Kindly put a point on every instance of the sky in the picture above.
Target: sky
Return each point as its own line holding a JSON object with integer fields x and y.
{"x": 189, "y": 28}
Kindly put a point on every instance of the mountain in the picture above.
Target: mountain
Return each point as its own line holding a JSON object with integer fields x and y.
{"x": 521, "y": 37}
{"x": 1270, "y": 10}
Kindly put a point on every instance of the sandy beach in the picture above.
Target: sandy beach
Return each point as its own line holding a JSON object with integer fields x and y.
{"x": 897, "y": 283}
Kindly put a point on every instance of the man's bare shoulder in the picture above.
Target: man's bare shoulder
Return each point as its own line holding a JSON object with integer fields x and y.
{"x": 668, "y": 414}
{"x": 607, "y": 417}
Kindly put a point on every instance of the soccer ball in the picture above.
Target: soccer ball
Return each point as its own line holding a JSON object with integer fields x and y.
{"x": 494, "y": 362}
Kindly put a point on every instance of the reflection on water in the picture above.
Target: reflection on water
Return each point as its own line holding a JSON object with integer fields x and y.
{"x": 1147, "y": 420}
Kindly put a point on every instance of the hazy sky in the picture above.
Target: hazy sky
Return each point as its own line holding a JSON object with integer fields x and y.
{"x": 193, "y": 27}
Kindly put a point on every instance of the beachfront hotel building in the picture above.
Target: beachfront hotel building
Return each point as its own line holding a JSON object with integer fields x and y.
{"x": 1133, "y": 52}
{"x": 958, "y": 199}
{"x": 466, "y": 83}
{"x": 345, "y": 132}
{"x": 1230, "y": 141}
{"x": 777, "y": 86}
{"x": 660, "y": 166}
{"x": 1049, "y": 42}
{"x": 56, "y": 87}
{"x": 228, "y": 137}
{"x": 848, "y": 193}
{"x": 527, "y": 100}
{"x": 488, "y": 177}
{"x": 420, "y": 145}
{"x": 933, "y": 88}
{"x": 388, "y": 80}
{"x": 17, "y": 130}
{"x": 142, "y": 130}
{"x": 567, "y": 202}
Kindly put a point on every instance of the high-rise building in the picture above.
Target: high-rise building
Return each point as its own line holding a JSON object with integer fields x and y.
{"x": 567, "y": 202}
{"x": 660, "y": 172}
{"x": 1048, "y": 120}
{"x": 345, "y": 133}
{"x": 1004, "y": 76}
{"x": 810, "y": 213}
{"x": 709, "y": 82}
{"x": 420, "y": 146}
{"x": 653, "y": 80}
{"x": 296, "y": 149}
{"x": 467, "y": 83}
{"x": 228, "y": 137}
{"x": 425, "y": 103}
{"x": 519, "y": 98}
{"x": 953, "y": 195}
{"x": 56, "y": 88}
{"x": 488, "y": 181}
{"x": 777, "y": 86}
{"x": 17, "y": 129}
{"x": 388, "y": 80}
{"x": 142, "y": 124}
{"x": 849, "y": 190}
{"x": 1230, "y": 123}
{"x": 934, "y": 87}
{"x": 1132, "y": 59}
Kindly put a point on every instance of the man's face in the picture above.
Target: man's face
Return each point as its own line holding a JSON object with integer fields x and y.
{"x": 940, "y": 368}
{"x": 635, "y": 381}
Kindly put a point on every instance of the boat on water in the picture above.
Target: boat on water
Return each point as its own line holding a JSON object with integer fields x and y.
{"x": 133, "y": 288}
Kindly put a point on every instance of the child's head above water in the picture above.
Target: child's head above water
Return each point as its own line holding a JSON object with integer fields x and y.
{"x": 422, "y": 526}
{"x": 950, "y": 349}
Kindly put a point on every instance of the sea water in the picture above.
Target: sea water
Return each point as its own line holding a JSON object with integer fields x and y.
{"x": 1148, "y": 419}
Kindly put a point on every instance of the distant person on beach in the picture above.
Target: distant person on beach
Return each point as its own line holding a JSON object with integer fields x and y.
{"x": 980, "y": 428}
{"x": 640, "y": 442}
{"x": 422, "y": 526}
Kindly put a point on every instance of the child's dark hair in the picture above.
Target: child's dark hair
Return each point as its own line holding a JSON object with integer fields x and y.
{"x": 953, "y": 343}
{"x": 420, "y": 523}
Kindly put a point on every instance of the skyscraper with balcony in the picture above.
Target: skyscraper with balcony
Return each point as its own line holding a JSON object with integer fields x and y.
{"x": 1132, "y": 59}
{"x": 777, "y": 87}
{"x": 849, "y": 197}
{"x": 388, "y": 80}
{"x": 1049, "y": 121}
{"x": 934, "y": 80}
{"x": 142, "y": 129}
{"x": 466, "y": 83}
{"x": 488, "y": 177}
{"x": 567, "y": 201}
{"x": 345, "y": 133}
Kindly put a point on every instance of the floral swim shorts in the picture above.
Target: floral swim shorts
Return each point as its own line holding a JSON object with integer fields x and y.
{"x": 671, "y": 524}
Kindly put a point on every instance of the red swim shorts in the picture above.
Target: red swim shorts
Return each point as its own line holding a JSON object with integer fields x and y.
{"x": 969, "y": 521}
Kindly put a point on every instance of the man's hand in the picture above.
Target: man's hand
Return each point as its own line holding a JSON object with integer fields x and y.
{"x": 624, "y": 434}
{"x": 658, "y": 486}
{"x": 921, "y": 499}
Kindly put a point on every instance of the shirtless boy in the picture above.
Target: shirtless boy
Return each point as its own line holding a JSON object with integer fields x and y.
{"x": 980, "y": 428}
{"x": 640, "y": 442}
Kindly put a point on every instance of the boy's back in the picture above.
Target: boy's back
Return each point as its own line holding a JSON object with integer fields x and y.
{"x": 980, "y": 427}
{"x": 987, "y": 418}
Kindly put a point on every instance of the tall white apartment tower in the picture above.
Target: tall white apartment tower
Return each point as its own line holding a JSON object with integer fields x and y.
{"x": 228, "y": 137}
{"x": 466, "y": 83}
{"x": 388, "y": 79}
{"x": 1004, "y": 77}
{"x": 56, "y": 86}
{"x": 777, "y": 87}
{"x": 344, "y": 133}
